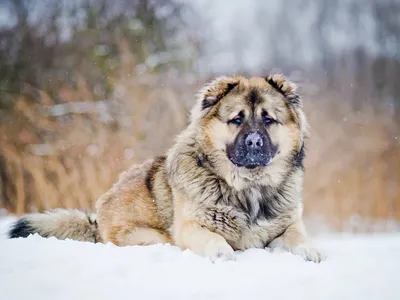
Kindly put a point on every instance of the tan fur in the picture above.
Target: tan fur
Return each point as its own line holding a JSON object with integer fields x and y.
{"x": 65, "y": 223}
{"x": 197, "y": 199}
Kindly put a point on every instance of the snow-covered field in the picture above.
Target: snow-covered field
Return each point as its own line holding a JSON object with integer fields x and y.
{"x": 358, "y": 267}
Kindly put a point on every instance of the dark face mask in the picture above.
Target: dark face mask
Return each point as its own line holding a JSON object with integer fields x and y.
{"x": 251, "y": 148}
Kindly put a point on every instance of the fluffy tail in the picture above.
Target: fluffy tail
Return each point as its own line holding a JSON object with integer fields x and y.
{"x": 60, "y": 223}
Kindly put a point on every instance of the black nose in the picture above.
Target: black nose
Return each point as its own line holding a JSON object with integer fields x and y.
{"x": 254, "y": 141}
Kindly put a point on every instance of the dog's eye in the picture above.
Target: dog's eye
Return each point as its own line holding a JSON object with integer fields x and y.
{"x": 268, "y": 121}
{"x": 237, "y": 121}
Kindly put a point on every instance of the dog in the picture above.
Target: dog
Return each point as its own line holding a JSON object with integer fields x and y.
{"x": 232, "y": 180}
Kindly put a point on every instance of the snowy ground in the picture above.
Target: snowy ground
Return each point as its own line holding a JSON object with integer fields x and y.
{"x": 358, "y": 267}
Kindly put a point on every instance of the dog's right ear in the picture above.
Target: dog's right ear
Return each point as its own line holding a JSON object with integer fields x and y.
{"x": 212, "y": 93}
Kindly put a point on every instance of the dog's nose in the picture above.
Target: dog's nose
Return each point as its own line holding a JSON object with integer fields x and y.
{"x": 254, "y": 141}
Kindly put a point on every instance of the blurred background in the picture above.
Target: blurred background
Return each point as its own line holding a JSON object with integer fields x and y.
{"x": 89, "y": 87}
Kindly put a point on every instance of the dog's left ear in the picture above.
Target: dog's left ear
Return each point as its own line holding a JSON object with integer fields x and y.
{"x": 285, "y": 87}
{"x": 288, "y": 89}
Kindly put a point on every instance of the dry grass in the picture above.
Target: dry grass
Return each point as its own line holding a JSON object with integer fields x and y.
{"x": 81, "y": 154}
{"x": 353, "y": 164}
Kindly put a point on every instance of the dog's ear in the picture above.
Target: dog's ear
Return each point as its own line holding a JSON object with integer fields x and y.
{"x": 284, "y": 86}
{"x": 216, "y": 90}
{"x": 288, "y": 89}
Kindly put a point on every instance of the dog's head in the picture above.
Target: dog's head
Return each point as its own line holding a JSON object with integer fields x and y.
{"x": 250, "y": 123}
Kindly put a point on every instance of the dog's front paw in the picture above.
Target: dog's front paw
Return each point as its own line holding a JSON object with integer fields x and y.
{"x": 219, "y": 250}
{"x": 308, "y": 253}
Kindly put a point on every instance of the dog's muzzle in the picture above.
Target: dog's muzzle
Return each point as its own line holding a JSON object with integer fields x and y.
{"x": 251, "y": 150}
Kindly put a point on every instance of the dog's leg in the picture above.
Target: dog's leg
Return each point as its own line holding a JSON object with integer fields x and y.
{"x": 138, "y": 236}
{"x": 203, "y": 242}
{"x": 294, "y": 239}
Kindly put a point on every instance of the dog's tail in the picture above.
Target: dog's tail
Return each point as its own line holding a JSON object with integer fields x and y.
{"x": 60, "y": 223}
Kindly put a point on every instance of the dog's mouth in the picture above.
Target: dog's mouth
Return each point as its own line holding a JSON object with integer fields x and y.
{"x": 252, "y": 162}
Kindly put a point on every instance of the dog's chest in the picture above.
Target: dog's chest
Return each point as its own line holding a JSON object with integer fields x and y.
{"x": 259, "y": 234}
{"x": 264, "y": 219}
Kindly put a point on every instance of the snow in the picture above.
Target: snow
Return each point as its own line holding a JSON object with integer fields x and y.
{"x": 358, "y": 267}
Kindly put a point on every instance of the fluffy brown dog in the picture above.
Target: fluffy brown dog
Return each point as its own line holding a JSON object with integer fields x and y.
{"x": 232, "y": 181}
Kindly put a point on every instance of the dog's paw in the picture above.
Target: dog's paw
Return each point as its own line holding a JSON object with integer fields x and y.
{"x": 305, "y": 250}
{"x": 219, "y": 250}
{"x": 308, "y": 253}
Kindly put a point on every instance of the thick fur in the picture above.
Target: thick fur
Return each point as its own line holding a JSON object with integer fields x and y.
{"x": 195, "y": 197}
{"x": 60, "y": 223}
